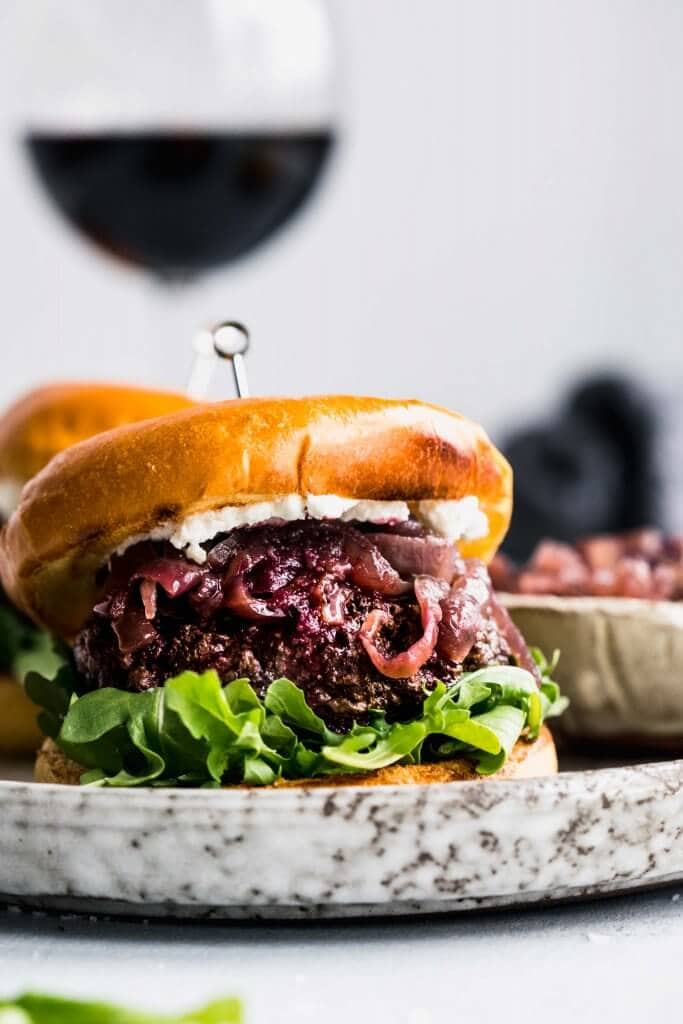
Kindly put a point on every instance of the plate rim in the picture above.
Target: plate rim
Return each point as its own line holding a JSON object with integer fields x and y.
{"x": 177, "y": 794}
{"x": 227, "y": 852}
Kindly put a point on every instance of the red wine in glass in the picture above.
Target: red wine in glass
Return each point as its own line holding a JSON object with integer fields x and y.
{"x": 179, "y": 204}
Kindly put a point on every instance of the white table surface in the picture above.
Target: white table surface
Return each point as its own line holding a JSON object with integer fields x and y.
{"x": 618, "y": 959}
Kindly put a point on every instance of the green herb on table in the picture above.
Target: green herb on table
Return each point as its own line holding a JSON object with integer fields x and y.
{"x": 35, "y": 1008}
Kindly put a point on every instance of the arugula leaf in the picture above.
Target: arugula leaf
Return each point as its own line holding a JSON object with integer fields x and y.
{"x": 235, "y": 741}
{"x": 53, "y": 695}
{"x": 400, "y": 741}
{"x": 25, "y": 650}
{"x": 545, "y": 667}
{"x": 506, "y": 723}
{"x": 257, "y": 772}
{"x": 193, "y": 731}
{"x": 14, "y": 634}
{"x": 40, "y": 657}
{"x": 471, "y": 692}
{"x": 285, "y": 699}
{"x": 473, "y": 732}
{"x": 34, "y": 1008}
{"x": 553, "y": 702}
{"x": 24, "y": 647}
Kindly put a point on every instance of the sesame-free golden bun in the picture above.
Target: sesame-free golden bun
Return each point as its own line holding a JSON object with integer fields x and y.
{"x": 526, "y": 761}
{"x": 95, "y": 496}
{"x": 45, "y": 421}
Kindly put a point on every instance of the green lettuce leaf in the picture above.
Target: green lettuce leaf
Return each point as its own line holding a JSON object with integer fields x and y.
{"x": 285, "y": 699}
{"x": 506, "y": 723}
{"x": 34, "y": 1008}
{"x": 15, "y": 635}
{"x": 24, "y": 647}
{"x": 194, "y": 731}
{"x": 552, "y": 701}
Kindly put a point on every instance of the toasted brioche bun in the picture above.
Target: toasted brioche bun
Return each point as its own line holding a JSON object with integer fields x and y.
{"x": 19, "y": 732}
{"x": 527, "y": 761}
{"x": 621, "y": 665}
{"x": 97, "y": 495}
{"x": 51, "y": 418}
{"x": 54, "y": 766}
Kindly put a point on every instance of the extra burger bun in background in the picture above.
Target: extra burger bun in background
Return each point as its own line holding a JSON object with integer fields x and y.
{"x": 97, "y": 495}
{"x": 53, "y": 417}
{"x": 527, "y": 761}
{"x": 19, "y": 733}
{"x": 621, "y": 665}
{"x": 33, "y": 430}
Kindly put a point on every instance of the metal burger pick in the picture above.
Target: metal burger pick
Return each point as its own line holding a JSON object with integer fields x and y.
{"x": 227, "y": 340}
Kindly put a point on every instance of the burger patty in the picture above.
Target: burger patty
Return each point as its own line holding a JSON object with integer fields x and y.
{"x": 340, "y": 682}
{"x": 295, "y": 600}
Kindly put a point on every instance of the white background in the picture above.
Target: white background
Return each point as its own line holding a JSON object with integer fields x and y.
{"x": 505, "y": 210}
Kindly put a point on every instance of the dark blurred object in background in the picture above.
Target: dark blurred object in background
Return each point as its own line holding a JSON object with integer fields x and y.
{"x": 593, "y": 468}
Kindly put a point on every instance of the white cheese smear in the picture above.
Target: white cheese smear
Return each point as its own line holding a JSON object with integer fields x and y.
{"x": 460, "y": 519}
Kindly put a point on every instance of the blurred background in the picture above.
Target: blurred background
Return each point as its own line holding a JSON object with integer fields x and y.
{"x": 476, "y": 202}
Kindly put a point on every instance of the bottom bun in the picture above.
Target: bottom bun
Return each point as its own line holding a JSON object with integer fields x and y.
{"x": 527, "y": 761}
{"x": 19, "y": 733}
{"x": 620, "y": 665}
{"x": 54, "y": 766}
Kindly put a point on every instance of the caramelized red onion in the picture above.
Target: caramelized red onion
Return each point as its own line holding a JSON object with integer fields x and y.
{"x": 308, "y": 573}
{"x": 332, "y": 604}
{"x": 133, "y": 631}
{"x": 239, "y": 600}
{"x": 515, "y": 640}
{"x": 370, "y": 570}
{"x": 148, "y": 594}
{"x": 429, "y": 593}
{"x": 256, "y": 573}
{"x": 463, "y": 611}
{"x": 420, "y": 556}
{"x": 236, "y": 593}
{"x": 176, "y": 576}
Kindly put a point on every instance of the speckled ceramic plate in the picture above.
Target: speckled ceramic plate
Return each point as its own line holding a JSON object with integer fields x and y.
{"x": 340, "y": 852}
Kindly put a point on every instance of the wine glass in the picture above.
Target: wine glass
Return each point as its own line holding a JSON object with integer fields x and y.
{"x": 178, "y": 137}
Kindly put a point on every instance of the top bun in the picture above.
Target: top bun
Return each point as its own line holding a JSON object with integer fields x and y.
{"x": 97, "y": 495}
{"x": 51, "y": 418}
